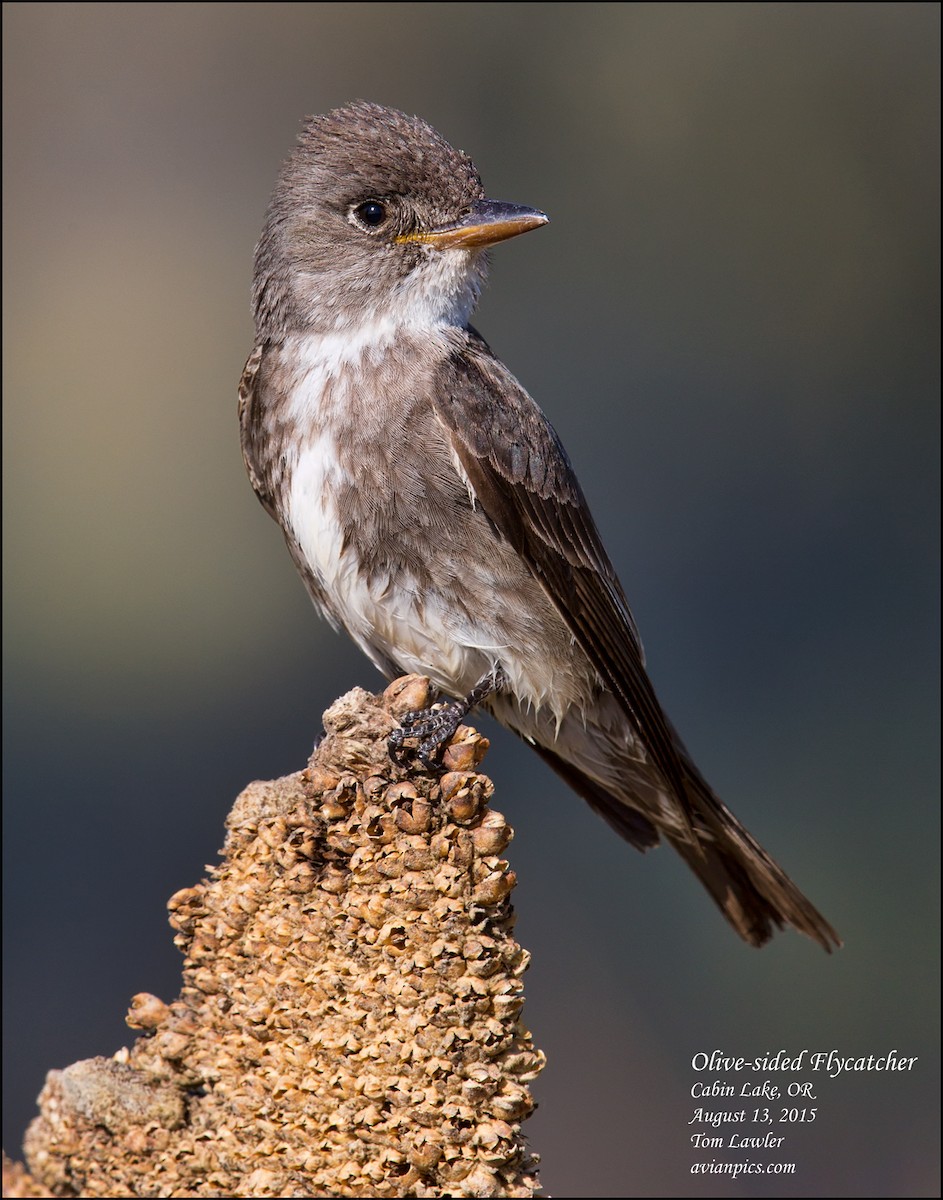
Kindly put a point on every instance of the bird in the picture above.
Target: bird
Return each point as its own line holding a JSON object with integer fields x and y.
{"x": 431, "y": 508}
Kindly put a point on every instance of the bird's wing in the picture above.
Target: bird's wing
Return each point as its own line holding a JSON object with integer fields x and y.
{"x": 524, "y": 482}
{"x": 250, "y": 428}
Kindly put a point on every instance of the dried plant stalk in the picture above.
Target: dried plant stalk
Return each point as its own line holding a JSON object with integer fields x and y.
{"x": 349, "y": 1022}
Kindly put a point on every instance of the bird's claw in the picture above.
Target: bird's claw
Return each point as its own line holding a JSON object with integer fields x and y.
{"x": 433, "y": 728}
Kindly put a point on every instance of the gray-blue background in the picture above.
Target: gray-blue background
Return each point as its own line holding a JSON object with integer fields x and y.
{"x": 733, "y": 323}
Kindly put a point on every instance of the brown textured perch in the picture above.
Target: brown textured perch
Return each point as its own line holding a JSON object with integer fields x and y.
{"x": 349, "y": 1022}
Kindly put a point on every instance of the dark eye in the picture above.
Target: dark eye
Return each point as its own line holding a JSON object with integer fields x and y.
{"x": 371, "y": 214}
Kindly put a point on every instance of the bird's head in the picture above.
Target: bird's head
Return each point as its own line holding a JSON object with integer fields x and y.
{"x": 375, "y": 219}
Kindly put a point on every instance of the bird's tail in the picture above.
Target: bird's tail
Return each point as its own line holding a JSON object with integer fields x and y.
{"x": 752, "y": 891}
{"x": 749, "y": 887}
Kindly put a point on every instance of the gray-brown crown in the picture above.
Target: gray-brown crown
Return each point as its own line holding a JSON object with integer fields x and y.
{"x": 314, "y": 267}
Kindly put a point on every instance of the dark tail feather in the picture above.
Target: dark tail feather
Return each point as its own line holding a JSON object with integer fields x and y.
{"x": 752, "y": 891}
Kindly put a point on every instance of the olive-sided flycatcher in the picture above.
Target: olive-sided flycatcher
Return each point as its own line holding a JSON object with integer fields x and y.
{"x": 430, "y": 506}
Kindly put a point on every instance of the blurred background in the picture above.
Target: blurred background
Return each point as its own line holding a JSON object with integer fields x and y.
{"x": 733, "y": 323}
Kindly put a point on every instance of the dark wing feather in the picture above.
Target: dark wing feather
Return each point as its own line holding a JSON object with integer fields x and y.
{"x": 626, "y": 821}
{"x": 526, "y": 486}
{"x": 250, "y": 429}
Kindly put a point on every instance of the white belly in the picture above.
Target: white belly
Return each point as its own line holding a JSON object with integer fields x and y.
{"x": 389, "y": 619}
{"x": 477, "y": 608}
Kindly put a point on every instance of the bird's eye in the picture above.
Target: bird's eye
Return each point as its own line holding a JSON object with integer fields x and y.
{"x": 370, "y": 214}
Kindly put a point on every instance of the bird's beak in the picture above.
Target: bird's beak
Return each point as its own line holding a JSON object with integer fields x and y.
{"x": 486, "y": 222}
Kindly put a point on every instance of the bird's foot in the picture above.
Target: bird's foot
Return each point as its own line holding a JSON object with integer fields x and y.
{"x": 434, "y": 727}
